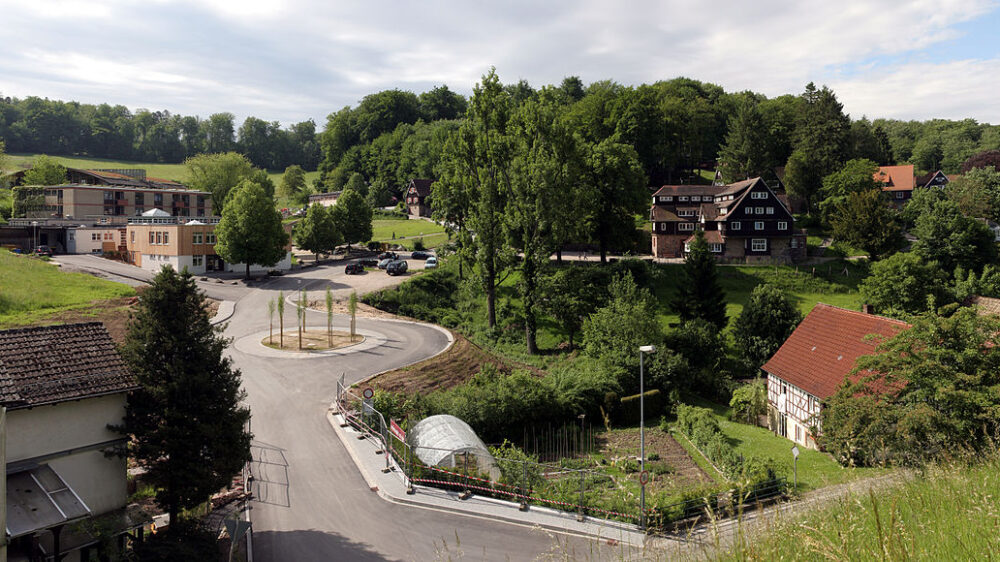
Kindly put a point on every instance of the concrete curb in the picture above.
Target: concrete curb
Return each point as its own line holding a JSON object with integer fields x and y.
{"x": 445, "y": 331}
{"x": 226, "y": 311}
{"x": 251, "y": 345}
{"x": 333, "y": 418}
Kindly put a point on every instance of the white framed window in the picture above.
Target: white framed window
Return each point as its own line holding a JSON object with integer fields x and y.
{"x": 198, "y": 261}
{"x": 682, "y": 198}
{"x": 760, "y": 245}
{"x": 735, "y": 225}
{"x": 663, "y": 227}
{"x": 196, "y": 238}
{"x": 685, "y": 213}
{"x": 696, "y": 198}
{"x": 688, "y": 226}
{"x": 687, "y": 247}
{"x": 758, "y": 195}
{"x": 210, "y": 238}
{"x": 159, "y": 238}
{"x": 782, "y": 225}
{"x": 717, "y": 248}
{"x": 899, "y": 195}
{"x": 723, "y": 210}
{"x": 665, "y": 199}
{"x": 749, "y": 210}
{"x": 133, "y": 236}
{"x": 770, "y": 210}
{"x": 760, "y": 210}
{"x": 759, "y": 225}
{"x": 166, "y": 237}
{"x": 152, "y": 240}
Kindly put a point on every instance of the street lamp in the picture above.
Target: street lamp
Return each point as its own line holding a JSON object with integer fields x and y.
{"x": 642, "y": 432}
{"x": 34, "y": 235}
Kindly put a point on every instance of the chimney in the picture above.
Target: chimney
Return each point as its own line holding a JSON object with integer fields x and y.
{"x": 867, "y": 309}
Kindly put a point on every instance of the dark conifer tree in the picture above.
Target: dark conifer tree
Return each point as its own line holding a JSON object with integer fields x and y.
{"x": 699, "y": 294}
{"x": 186, "y": 418}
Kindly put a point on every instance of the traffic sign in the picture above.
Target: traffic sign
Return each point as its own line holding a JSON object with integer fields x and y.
{"x": 368, "y": 393}
{"x": 644, "y": 477}
{"x": 795, "y": 451}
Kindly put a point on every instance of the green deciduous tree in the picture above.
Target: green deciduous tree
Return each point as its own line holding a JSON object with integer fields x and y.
{"x": 317, "y": 231}
{"x": 293, "y": 184}
{"x": 45, "y": 170}
{"x": 569, "y": 296}
{"x": 217, "y": 174}
{"x": 699, "y": 294}
{"x": 353, "y": 217}
{"x": 614, "y": 332}
{"x": 947, "y": 236}
{"x": 863, "y": 220}
{"x": 613, "y": 190}
{"x": 352, "y": 307}
{"x": 186, "y": 418}
{"x": 904, "y": 284}
{"x": 930, "y": 393}
{"x": 250, "y": 231}
{"x": 765, "y": 323}
{"x": 977, "y": 193}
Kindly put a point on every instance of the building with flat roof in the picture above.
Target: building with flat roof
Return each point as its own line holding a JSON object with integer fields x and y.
{"x": 94, "y": 203}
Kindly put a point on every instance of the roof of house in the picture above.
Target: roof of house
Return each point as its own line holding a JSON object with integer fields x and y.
{"x": 824, "y": 347}
{"x": 657, "y": 213}
{"x": 328, "y": 195}
{"x": 49, "y": 364}
{"x": 986, "y": 306}
{"x": 423, "y": 187}
{"x": 896, "y": 178}
{"x": 711, "y": 236}
{"x": 688, "y": 189}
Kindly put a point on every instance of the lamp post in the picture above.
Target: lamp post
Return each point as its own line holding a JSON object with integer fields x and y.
{"x": 642, "y": 431}
{"x": 34, "y": 235}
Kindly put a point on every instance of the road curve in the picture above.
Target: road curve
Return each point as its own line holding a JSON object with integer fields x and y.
{"x": 310, "y": 501}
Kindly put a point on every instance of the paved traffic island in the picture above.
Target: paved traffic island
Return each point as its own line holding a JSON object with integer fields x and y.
{"x": 257, "y": 344}
{"x": 311, "y": 340}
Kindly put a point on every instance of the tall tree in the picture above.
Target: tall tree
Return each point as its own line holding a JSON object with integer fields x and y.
{"x": 186, "y": 419}
{"x": 219, "y": 132}
{"x": 745, "y": 153}
{"x": 441, "y": 103}
{"x": 293, "y": 184}
{"x": 45, "y": 170}
{"x": 544, "y": 170}
{"x": 822, "y": 140}
{"x": 480, "y": 159}
{"x": 765, "y": 323}
{"x": 352, "y": 217}
{"x": 854, "y": 176}
{"x": 217, "y": 174}
{"x": 614, "y": 189}
{"x": 250, "y": 231}
{"x": 947, "y": 236}
{"x": 699, "y": 294}
{"x": 317, "y": 231}
{"x": 862, "y": 219}
{"x": 903, "y": 284}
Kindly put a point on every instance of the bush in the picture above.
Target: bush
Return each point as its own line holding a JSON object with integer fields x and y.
{"x": 418, "y": 245}
{"x": 628, "y": 465}
{"x": 653, "y": 457}
{"x": 660, "y": 468}
{"x": 749, "y": 402}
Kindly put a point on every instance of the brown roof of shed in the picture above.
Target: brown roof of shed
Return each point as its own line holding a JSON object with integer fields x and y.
{"x": 50, "y": 364}
{"x": 824, "y": 347}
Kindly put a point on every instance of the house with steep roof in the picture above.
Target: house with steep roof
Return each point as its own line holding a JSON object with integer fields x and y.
{"x": 933, "y": 179}
{"x": 897, "y": 182}
{"x": 744, "y": 221}
{"x": 63, "y": 386}
{"x": 814, "y": 361}
{"x": 416, "y": 197}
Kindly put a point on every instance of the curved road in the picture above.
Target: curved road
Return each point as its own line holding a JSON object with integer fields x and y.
{"x": 310, "y": 501}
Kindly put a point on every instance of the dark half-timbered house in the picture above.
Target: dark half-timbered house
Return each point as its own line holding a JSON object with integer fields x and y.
{"x": 416, "y": 197}
{"x": 743, "y": 221}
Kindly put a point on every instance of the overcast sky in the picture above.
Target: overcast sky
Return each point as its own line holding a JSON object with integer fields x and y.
{"x": 290, "y": 60}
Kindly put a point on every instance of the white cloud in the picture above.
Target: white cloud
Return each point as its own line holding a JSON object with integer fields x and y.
{"x": 299, "y": 58}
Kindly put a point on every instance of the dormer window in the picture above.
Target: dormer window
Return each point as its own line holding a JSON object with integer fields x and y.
{"x": 695, "y": 198}
{"x": 682, "y": 198}
{"x": 758, "y": 195}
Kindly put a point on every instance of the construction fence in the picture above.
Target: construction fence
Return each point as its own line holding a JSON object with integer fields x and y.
{"x": 526, "y": 482}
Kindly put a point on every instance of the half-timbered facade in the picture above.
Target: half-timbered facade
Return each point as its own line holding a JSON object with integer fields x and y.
{"x": 934, "y": 179}
{"x": 416, "y": 197}
{"x": 743, "y": 221}
{"x": 813, "y": 362}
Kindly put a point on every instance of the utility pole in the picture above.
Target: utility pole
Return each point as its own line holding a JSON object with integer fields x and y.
{"x": 642, "y": 434}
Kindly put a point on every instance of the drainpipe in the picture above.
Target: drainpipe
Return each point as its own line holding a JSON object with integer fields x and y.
{"x": 3, "y": 484}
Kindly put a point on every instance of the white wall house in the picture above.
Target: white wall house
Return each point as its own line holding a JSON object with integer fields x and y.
{"x": 62, "y": 387}
{"x": 812, "y": 364}
{"x": 93, "y": 239}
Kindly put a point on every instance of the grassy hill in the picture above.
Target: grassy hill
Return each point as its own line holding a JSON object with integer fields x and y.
{"x": 176, "y": 172}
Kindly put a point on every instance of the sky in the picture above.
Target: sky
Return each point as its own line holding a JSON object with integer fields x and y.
{"x": 291, "y": 60}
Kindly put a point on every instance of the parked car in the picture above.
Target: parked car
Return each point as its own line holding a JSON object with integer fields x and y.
{"x": 397, "y": 267}
{"x": 431, "y": 263}
{"x": 44, "y": 250}
{"x": 420, "y": 255}
{"x": 275, "y": 272}
{"x": 388, "y": 255}
{"x": 354, "y": 269}
{"x": 385, "y": 263}
{"x": 368, "y": 262}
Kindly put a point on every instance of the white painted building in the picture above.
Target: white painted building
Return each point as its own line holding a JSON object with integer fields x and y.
{"x": 94, "y": 239}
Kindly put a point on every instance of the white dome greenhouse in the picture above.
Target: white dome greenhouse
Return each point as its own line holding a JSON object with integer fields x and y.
{"x": 438, "y": 440}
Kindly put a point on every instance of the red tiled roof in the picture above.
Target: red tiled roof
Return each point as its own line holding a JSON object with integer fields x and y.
{"x": 896, "y": 178}
{"x": 657, "y": 213}
{"x": 824, "y": 347}
{"x": 711, "y": 236}
{"x": 52, "y": 364}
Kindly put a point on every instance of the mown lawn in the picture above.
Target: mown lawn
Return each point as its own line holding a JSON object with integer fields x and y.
{"x": 387, "y": 230}
{"x": 31, "y": 289}
{"x": 816, "y": 469}
{"x": 176, "y": 172}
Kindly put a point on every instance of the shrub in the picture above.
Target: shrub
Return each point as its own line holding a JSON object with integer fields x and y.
{"x": 418, "y": 245}
{"x": 628, "y": 465}
{"x": 630, "y": 414}
{"x": 653, "y": 457}
{"x": 749, "y": 402}
{"x": 660, "y": 468}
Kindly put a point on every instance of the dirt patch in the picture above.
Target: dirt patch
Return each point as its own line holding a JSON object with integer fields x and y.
{"x": 312, "y": 340}
{"x": 451, "y": 368}
{"x": 625, "y": 443}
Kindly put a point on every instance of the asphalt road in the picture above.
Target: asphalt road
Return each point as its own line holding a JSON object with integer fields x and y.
{"x": 311, "y": 502}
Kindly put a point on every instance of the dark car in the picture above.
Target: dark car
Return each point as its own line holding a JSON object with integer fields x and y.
{"x": 368, "y": 262}
{"x": 44, "y": 251}
{"x": 397, "y": 267}
{"x": 388, "y": 256}
{"x": 385, "y": 263}
{"x": 354, "y": 269}
{"x": 420, "y": 255}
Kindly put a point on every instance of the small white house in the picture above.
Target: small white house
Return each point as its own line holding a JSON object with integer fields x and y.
{"x": 93, "y": 239}
{"x": 812, "y": 364}
{"x": 62, "y": 387}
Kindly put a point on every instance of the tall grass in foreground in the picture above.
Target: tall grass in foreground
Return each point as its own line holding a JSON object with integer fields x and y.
{"x": 948, "y": 513}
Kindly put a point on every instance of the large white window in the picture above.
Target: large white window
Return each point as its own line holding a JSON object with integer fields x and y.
{"x": 696, "y": 198}
{"x": 663, "y": 227}
{"x": 735, "y": 225}
{"x": 685, "y": 212}
{"x": 758, "y": 195}
{"x": 760, "y": 245}
{"x": 782, "y": 226}
{"x": 760, "y": 210}
{"x": 759, "y": 225}
{"x": 749, "y": 210}
{"x": 197, "y": 261}
{"x": 770, "y": 210}
{"x": 717, "y": 248}
{"x": 899, "y": 195}
{"x": 685, "y": 226}
{"x": 196, "y": 238}
{"x": 665, "y": 199}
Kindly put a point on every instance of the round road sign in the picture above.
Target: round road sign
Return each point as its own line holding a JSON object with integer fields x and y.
{"x": 368, "y": 393}
{"x": 644, "y": 477}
